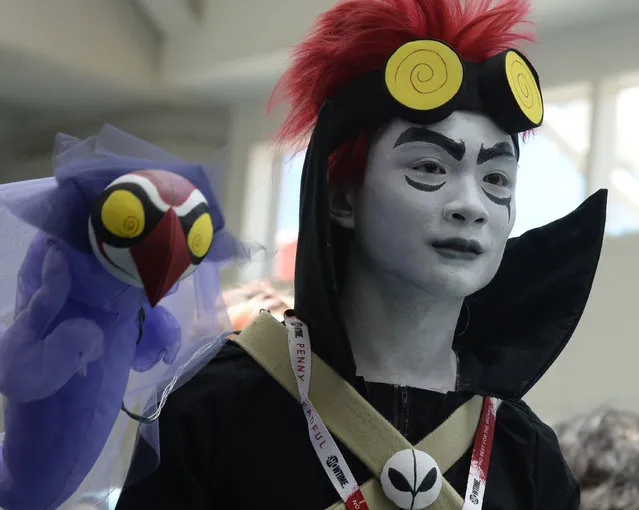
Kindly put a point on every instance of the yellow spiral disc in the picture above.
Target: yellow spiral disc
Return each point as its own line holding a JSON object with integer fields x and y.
{"x": 200, "y": 236}
{"x": 424, "y": 75}
{"x": 123, "y": 214}
{"x": 524, "y": 87}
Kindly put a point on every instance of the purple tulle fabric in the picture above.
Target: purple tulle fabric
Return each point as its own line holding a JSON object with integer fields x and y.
{"x": 70, "y": 344}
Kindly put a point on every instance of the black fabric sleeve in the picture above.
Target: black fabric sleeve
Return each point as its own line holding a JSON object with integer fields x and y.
{"x": 574, "y": 503}
{"x": 179, "y": 481}
{"x": 555, "y": 486}
{"x": 197, "y": 427}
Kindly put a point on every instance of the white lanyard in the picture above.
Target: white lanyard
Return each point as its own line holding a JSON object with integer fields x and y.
{"x": 299, "y": 348}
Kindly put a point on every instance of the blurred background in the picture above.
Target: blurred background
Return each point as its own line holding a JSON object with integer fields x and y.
{"x": 194, "y": 76}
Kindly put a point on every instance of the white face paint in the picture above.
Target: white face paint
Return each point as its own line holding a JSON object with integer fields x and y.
{"x": 438, "y": 203}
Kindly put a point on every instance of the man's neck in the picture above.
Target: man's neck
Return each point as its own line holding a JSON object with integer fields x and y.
{"x": 399, "y": 333}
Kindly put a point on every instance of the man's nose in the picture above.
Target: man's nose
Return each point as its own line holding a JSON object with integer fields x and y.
{"x": 466, "y": 206}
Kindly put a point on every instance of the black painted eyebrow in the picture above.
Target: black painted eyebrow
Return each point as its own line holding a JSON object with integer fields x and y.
{"x": 421, "y": 134}
{"x": 499, "y": 150}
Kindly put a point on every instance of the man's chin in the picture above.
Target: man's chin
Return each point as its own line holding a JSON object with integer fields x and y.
{"x": 453, "y": 284}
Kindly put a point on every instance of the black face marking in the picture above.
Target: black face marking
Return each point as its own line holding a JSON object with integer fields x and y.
{"x": 422, "y": 186}
{"x": 499, "y": 201}
{"x": 456, "y": 149}
{"x": 499, "y": 150}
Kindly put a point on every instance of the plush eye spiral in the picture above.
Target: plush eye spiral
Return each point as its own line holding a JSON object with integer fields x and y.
{"x": 200, "y": 235}
{"x": 123, "y": 214}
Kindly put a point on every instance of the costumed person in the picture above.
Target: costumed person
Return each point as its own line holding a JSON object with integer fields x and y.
{"x": 602, "y": 448}
{"x": 427, "y": 325}
{"x": 103, "y": 268}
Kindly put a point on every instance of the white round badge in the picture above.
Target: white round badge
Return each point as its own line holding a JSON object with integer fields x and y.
{"x": 411, "y": 479}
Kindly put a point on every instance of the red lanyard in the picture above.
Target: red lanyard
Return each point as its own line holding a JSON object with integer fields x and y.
{"x": 481, "y": 455}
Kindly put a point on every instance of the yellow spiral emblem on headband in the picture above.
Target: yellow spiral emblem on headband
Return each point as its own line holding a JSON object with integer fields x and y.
{"x": 424, "y": 75}
{"x": 524, "y": 88}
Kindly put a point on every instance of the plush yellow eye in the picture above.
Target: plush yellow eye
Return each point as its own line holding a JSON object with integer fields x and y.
{"x": 123, "y": 214}
{"x": 200, "y": 236}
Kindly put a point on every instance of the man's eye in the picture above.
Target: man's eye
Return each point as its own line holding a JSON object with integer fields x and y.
{"x": 430, "y": 167}
{"x": 497, "y": 179}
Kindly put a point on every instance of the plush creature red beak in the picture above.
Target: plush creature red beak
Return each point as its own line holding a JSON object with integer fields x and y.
{"x": 162, "y": 257}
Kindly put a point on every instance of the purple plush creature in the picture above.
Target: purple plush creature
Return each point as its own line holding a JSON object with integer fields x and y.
{"x": 114, "y": 236}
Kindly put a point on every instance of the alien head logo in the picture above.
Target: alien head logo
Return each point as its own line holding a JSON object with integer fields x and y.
{"x": 411, "y": 479}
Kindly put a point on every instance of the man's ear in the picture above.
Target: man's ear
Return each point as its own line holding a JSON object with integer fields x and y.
{"x": 341, "y": 208}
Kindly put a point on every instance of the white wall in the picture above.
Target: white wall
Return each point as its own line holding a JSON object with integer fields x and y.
{"x": 599, "y": 365}
{"x": 75, "y": 53}
{"x": 252, "y": 181}
{"x": 194, "y": 134}
{"x": 599, "y": 50}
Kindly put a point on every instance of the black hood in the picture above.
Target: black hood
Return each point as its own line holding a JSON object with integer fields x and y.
{"x": 538, "y": 294}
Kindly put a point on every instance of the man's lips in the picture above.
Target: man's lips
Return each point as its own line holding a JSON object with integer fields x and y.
{"x": 458, "y": 244}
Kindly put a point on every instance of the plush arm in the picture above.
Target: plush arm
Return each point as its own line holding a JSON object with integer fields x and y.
{"x": 40, "y": 352}
{"x": 161, "y": 339}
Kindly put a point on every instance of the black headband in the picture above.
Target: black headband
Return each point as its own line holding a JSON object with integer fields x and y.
{"x": 424, "y": 81}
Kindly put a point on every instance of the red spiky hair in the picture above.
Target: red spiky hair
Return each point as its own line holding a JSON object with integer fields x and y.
{"x": 358, "y": 36}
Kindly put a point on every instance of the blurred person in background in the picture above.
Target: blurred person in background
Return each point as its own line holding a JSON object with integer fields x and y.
{"x": 245, "y": 301}
{"x": 602, "y": 449}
